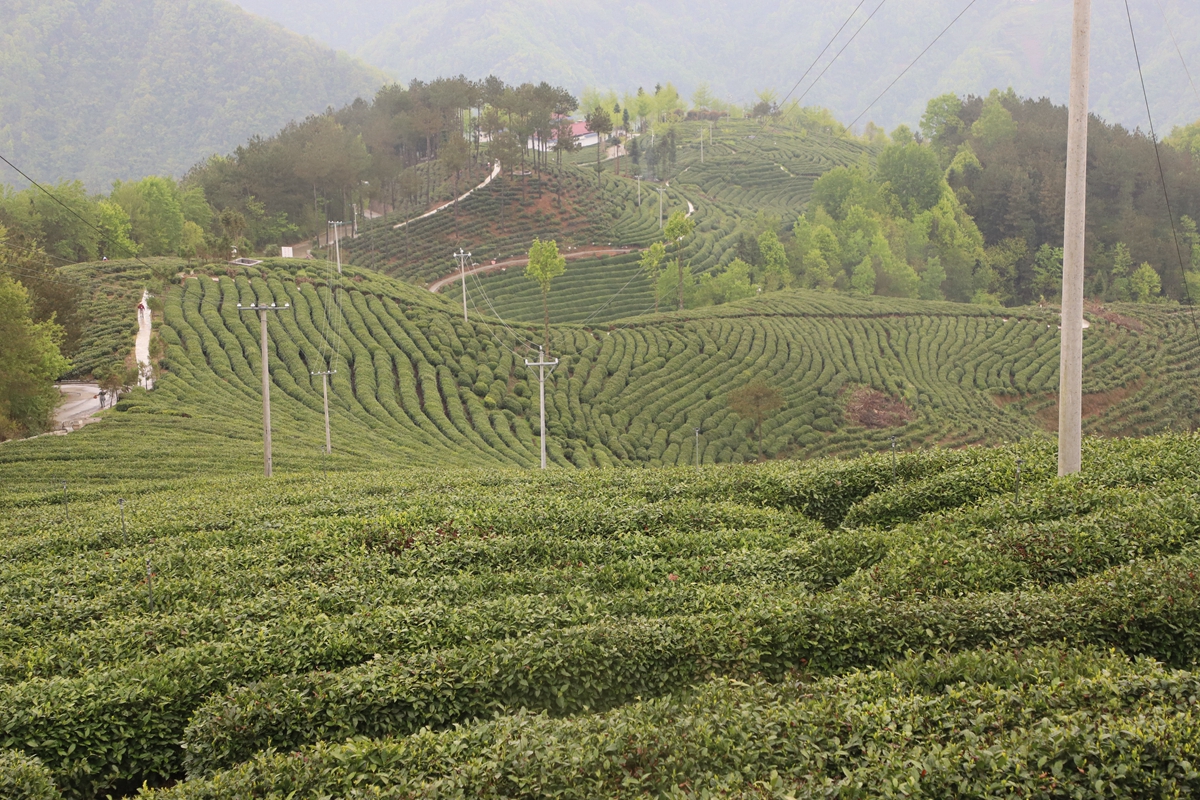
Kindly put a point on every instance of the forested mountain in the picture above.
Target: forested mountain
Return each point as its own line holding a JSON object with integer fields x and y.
{"x": 740, "y": 48}
{"x": 98, "y": 91}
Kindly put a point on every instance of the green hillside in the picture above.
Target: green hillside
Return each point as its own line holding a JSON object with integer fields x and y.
{"x": 395, "y": 633}
{"x": 101, "y": 91}
{"x": 415, "y": 385}
{"x": 747, "y": 170}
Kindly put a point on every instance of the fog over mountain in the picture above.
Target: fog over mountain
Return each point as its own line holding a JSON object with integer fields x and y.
{"x": 740, "y": 48}
{"x": 99, "y": 91}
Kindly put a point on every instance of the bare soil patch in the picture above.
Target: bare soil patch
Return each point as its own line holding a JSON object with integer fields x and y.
{"x": 874, "y": 409}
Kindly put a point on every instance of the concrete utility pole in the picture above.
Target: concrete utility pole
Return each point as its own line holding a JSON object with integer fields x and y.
{"x": 701, "y": 147}
{"x": 462, "y": 265}
{"x": 660, "y": 207}
{"x": 337, "y": 243}
{"x": 325, "y": 394}
{"x": 639, "y": 180}
{"x": 266, "y": 377}
{"x": 1071, "y": 358}
{"x": 697, "y": 448}
{"x": 541, "y": 364}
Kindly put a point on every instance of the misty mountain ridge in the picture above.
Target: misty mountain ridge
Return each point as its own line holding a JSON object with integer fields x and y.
{"x": 739, "y": 49}
{"x": 101, "y": 91}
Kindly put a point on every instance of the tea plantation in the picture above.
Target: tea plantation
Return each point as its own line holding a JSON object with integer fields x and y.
{"x": 422, "y": 614}
{"x": 747, "y": 169}
{"x": 916, "y": 627}
{"x": 415, "y": 385}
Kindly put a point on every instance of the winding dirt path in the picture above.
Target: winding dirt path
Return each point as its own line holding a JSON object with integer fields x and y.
{"x": 442, "y": 283}
{"x": 443, "y": 207}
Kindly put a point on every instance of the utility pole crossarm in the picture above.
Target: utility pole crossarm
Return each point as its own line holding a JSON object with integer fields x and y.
{"x": 542, "y": 364}
{"x": 325, "y": 395}
{"x": 266, "y": 376}
{"x": 462, "y": 258}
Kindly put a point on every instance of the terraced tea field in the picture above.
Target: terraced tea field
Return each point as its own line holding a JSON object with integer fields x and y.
{"x": 749, "y": 168}
{"x": 502, "y": 219}
{"x": 415, "y": 385}
{"x": 790, "y": 629}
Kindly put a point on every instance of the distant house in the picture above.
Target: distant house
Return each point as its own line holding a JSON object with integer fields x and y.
{"x": 583, "y": 137}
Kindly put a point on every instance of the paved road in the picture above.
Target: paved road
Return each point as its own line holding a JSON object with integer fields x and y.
{"x": 141, "y": 347}
{"x": 80, "y": 402}
{"x": 442, "y": 283}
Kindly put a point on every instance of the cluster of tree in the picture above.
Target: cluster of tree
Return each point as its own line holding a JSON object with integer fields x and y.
{"x": 154, "y": 216}
{"x": 1005, "y": 158}
{"x": 895, "y": 230}
{"x": 31, "y": 356}
{"x": 397, "y": 149}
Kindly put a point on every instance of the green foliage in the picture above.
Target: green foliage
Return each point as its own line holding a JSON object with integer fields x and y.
{"x": 730, "y": 285}
{"x": 942, "y": 119}
{"x": 545, "y": 264}
{"x": 24, "y": 778}
{"x": 155, "y": 214}
{"x": 30, "y": 362}
{"x": 1186, "y": 138}
{"x": 1145, "y": 284}
{"x": 67, "y": 231}
{"x": 1028, "y": 721}
{"x": 995, "y": 124}
{"x": 425, "y": 609}
{"x": 911, "y": 174}
{"x": 1006, "y": 164}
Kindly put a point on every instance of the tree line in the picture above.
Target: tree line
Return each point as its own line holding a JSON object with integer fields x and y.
{"x": 969, "y": 207}
{"x": 397, "y": 150}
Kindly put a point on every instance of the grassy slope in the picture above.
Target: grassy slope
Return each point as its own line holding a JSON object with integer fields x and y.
{"x": 416, "y": 386}
{"x": 381, "y": 602}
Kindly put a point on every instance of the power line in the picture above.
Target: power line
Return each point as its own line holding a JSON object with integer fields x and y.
{"x": 66, "y": 262}
{"x": 1175, "y": 41}
{"x": 839, "y": 52}
{"x": 1161, "y": 172}
{"x": 910, "y": 66}
{"x": 479, "y": 284}
{"x": 81, "y": 218}
{"x": 614, "y": 297}
{"x": 21, "y": 272}
{"x": 824, "y": 50}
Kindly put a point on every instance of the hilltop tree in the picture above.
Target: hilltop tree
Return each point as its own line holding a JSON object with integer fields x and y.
{"x": 679, "y": 227}
{"x": 1145, "y": 284}
{"x": 756, "y": 401}
{"x": 30, "y": 362}
{"x": 651, "y": 264}
{"x": 599, "y": 122}
{"x": 545, "y": 264}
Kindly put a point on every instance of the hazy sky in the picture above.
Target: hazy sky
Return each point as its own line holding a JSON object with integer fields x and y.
{"x": 740, "y": 47}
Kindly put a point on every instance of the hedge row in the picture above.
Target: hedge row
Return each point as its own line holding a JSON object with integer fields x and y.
{"x": 1147, "y": 608}
{"x": 1043, "y": 723}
